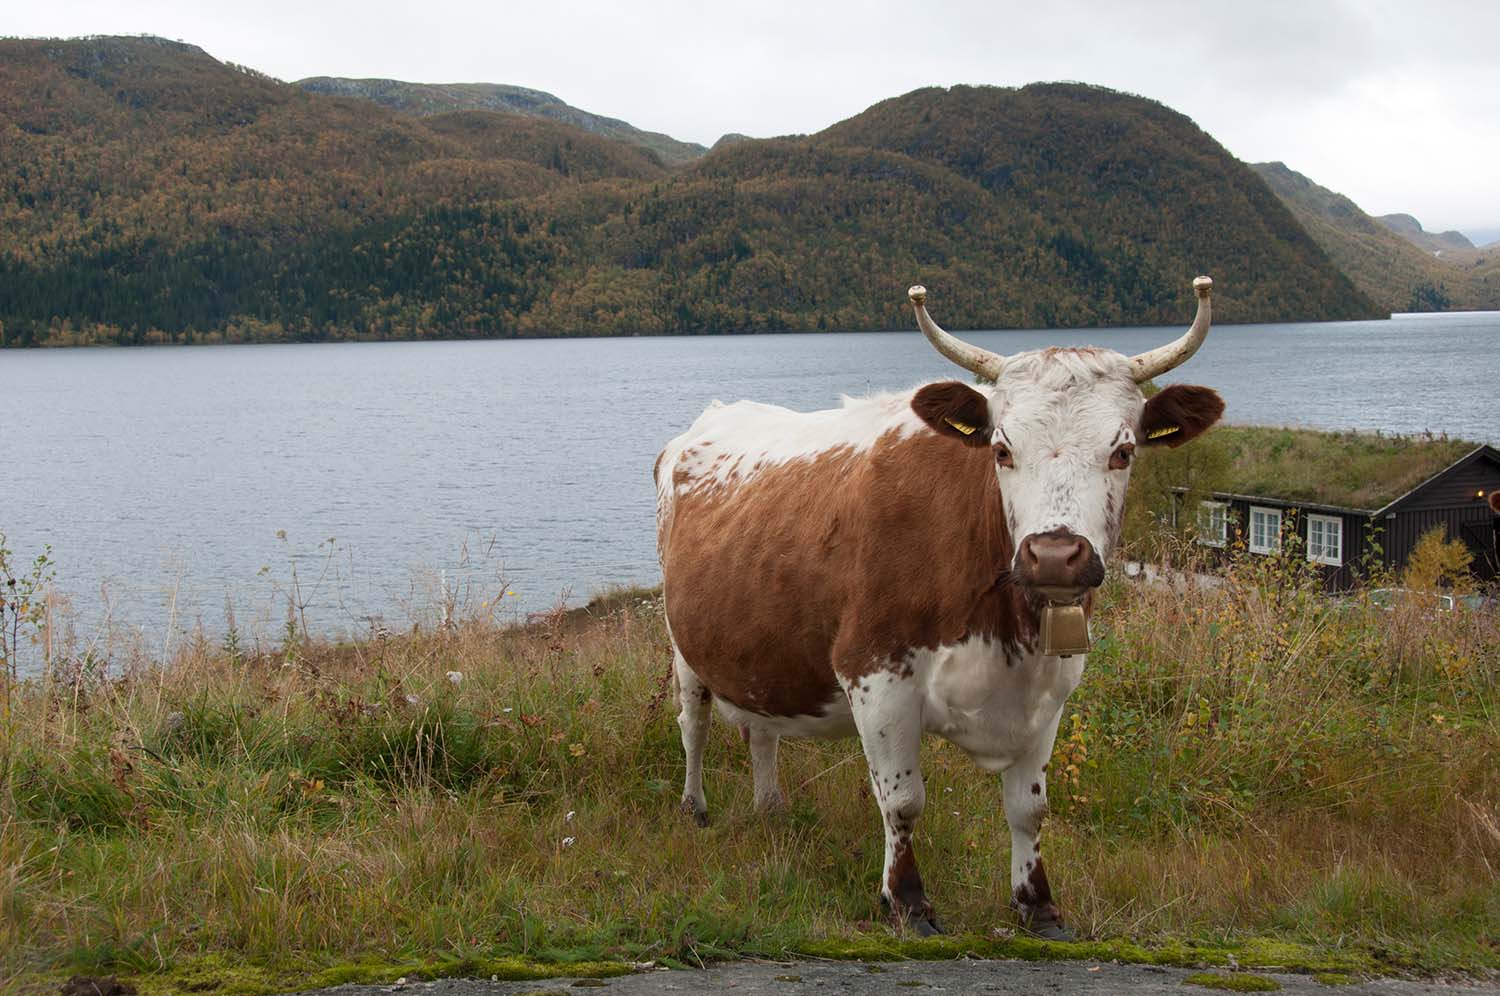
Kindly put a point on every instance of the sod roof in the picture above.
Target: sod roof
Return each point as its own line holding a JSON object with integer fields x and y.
{"x": 1347, "y": 469}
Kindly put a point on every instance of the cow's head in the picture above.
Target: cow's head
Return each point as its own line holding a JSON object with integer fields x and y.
{"x": 1063, "y": 426}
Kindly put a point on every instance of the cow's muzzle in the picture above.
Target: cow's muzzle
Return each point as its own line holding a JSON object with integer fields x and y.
{"x": 1059, "y": 565}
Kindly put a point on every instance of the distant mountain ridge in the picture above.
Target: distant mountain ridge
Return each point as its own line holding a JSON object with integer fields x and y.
{"x": 1382, "y": 258}
{"x": 1411, "y": 230}
{"x": 439, "y": 98}
{"x": 149, "y": 193}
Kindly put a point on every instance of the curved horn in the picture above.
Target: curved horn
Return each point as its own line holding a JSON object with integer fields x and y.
{"x": 1155, "y": 362}
{"x": 972, "y": 358}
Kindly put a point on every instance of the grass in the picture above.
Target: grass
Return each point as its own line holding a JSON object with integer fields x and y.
{"x": 1348, "y": 469}
{"x": 1251, "y": 776}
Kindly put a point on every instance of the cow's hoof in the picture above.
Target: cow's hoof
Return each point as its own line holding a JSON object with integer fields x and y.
{"x": 925, "y": 926}
{"x": 1050, "y": 930}
{"x": 697, "y": 812}
{"x": 771, "y": 805}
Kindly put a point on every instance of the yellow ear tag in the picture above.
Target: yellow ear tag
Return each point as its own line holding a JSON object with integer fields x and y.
{"x": 1167, "y": 431}
{"x": 963, "y": 427}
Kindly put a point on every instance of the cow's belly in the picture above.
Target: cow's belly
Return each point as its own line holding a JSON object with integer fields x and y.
{"x": 995, "y": 711}
{"x": 832, "y": 721}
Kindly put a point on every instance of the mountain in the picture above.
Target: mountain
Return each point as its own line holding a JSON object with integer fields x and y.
{"x": 149, "y": 193}
{"x": 441, "y": 98}
{"x": 1411, "y": 230}
{"x": 1387, "y": 266}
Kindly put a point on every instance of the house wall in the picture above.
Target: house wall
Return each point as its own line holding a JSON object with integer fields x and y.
{"x": 1293, "y": 522}
{"x": 1451, "y": 501}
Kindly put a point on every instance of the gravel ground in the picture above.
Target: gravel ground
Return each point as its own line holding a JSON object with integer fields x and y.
{"x": 939, "y": 976}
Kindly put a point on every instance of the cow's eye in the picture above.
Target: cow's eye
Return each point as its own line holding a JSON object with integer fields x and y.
{"x": 1120, "y": 458}
{"x": 1003, "y": 457}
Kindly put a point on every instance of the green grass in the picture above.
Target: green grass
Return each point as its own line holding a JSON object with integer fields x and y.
{"x": 1348, "y": 469}
{"x": 1248, "y": 776}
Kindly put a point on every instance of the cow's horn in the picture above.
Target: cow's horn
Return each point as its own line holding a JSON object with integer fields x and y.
{"x": 972, "y": 358}
{"x": 1155, "y": 362}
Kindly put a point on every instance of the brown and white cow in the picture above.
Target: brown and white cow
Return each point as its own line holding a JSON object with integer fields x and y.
{"x": 881, "y": 569}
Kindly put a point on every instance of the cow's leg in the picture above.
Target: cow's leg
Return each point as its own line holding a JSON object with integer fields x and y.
{"x": 1025, "y": 785}
{"x": 693, "y": 699}
{"x": 768, "y": 797}
{"x": 887, "y": 712}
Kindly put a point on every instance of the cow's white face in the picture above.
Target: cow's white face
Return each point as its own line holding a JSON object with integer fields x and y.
{"x": 1064, "y": 436}
{"x": 1062, "y": 426}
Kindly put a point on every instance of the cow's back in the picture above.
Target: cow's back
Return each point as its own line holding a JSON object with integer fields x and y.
{"x": 785, "y": 535}
{"x": 754, "y": 507}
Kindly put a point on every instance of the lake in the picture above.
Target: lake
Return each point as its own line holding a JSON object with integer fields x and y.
{"x": 169, "y": 481}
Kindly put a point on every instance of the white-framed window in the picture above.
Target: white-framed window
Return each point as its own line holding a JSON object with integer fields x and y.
{"x": 1213, "y": 523}
{"x": 1265, "y": 530}
{"x": 1325, "y": 539}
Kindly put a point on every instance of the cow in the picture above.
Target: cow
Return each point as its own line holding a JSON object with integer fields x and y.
{"x": 885, "y": 568}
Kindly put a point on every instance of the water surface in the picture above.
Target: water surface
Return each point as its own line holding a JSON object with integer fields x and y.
{"x": 169, "y": 479}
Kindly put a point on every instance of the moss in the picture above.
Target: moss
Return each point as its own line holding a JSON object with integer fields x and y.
{"x": 1239, "y": 982}
{"x": 1264, "y": 952}
{"x": 213, "y": 973}
{"x": 874, "y": 947}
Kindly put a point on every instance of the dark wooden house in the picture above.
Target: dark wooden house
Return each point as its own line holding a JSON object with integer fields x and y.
{"x": 1347, "y": 538}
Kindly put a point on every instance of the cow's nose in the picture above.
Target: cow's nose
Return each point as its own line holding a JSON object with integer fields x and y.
{"x": 1059, "y": 562}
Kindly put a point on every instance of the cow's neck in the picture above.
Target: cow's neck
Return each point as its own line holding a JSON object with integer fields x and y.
{"x": 1002, "y": 610}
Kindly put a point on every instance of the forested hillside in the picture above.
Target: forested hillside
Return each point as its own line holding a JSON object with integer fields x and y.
{"x": 441, "y": 98}
{"x": 1390, "y": 268}
{"x": 149, "y": 193}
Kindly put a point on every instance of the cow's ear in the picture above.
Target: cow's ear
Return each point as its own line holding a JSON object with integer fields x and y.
{"x": 955, "y": 410}
{"x": 1178, "y": 413}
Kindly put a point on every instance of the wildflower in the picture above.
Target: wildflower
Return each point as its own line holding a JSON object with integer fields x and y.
{"x": 569, "y": 841}
{"x": 577, "y": 750}
{"x": 413, "y": 700}
{"x": 568, "y": 818}
{"x": 507, "y": 709}
{"x": 456, "y": 677}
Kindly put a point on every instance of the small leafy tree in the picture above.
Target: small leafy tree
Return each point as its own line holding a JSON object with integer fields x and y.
{"x": 23, "y": 608}
{"x": 1437, "y": 562}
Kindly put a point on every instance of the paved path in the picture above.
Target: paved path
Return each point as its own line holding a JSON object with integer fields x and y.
{"x": 829, "y": 978}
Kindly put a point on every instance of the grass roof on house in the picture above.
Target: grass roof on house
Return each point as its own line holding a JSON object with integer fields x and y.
{"x": 1350, "y": 469}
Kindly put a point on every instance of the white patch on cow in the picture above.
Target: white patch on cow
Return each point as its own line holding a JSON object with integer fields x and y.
{"x": 994, "y": 703}
{"x": 1062, "y": 413}
{"x": 730, "y": 444}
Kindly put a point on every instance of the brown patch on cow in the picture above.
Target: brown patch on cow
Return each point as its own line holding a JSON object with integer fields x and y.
{"x": 1179, "y": 413}
{"x": 955, "y": 411}
{"x": 1033, "y": 897}
{"x": 1036, "y": 788}
{"x": 904, "y": 885}
{"x": 839, "y": 564}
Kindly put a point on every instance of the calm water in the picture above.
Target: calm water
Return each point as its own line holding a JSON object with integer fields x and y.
{"x": 165, "y": 479}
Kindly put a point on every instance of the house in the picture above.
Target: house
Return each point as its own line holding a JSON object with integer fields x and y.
{"x": 1350, "y": 501}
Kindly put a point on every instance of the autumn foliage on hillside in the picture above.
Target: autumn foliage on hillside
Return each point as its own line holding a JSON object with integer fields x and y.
{"x": 149, "y": 193}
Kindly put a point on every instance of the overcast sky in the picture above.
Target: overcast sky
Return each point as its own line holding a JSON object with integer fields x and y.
{"x": 1395, "y": 103}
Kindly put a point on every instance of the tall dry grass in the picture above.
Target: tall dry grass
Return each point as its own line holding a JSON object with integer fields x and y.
{"x": 1248, "y": 760}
